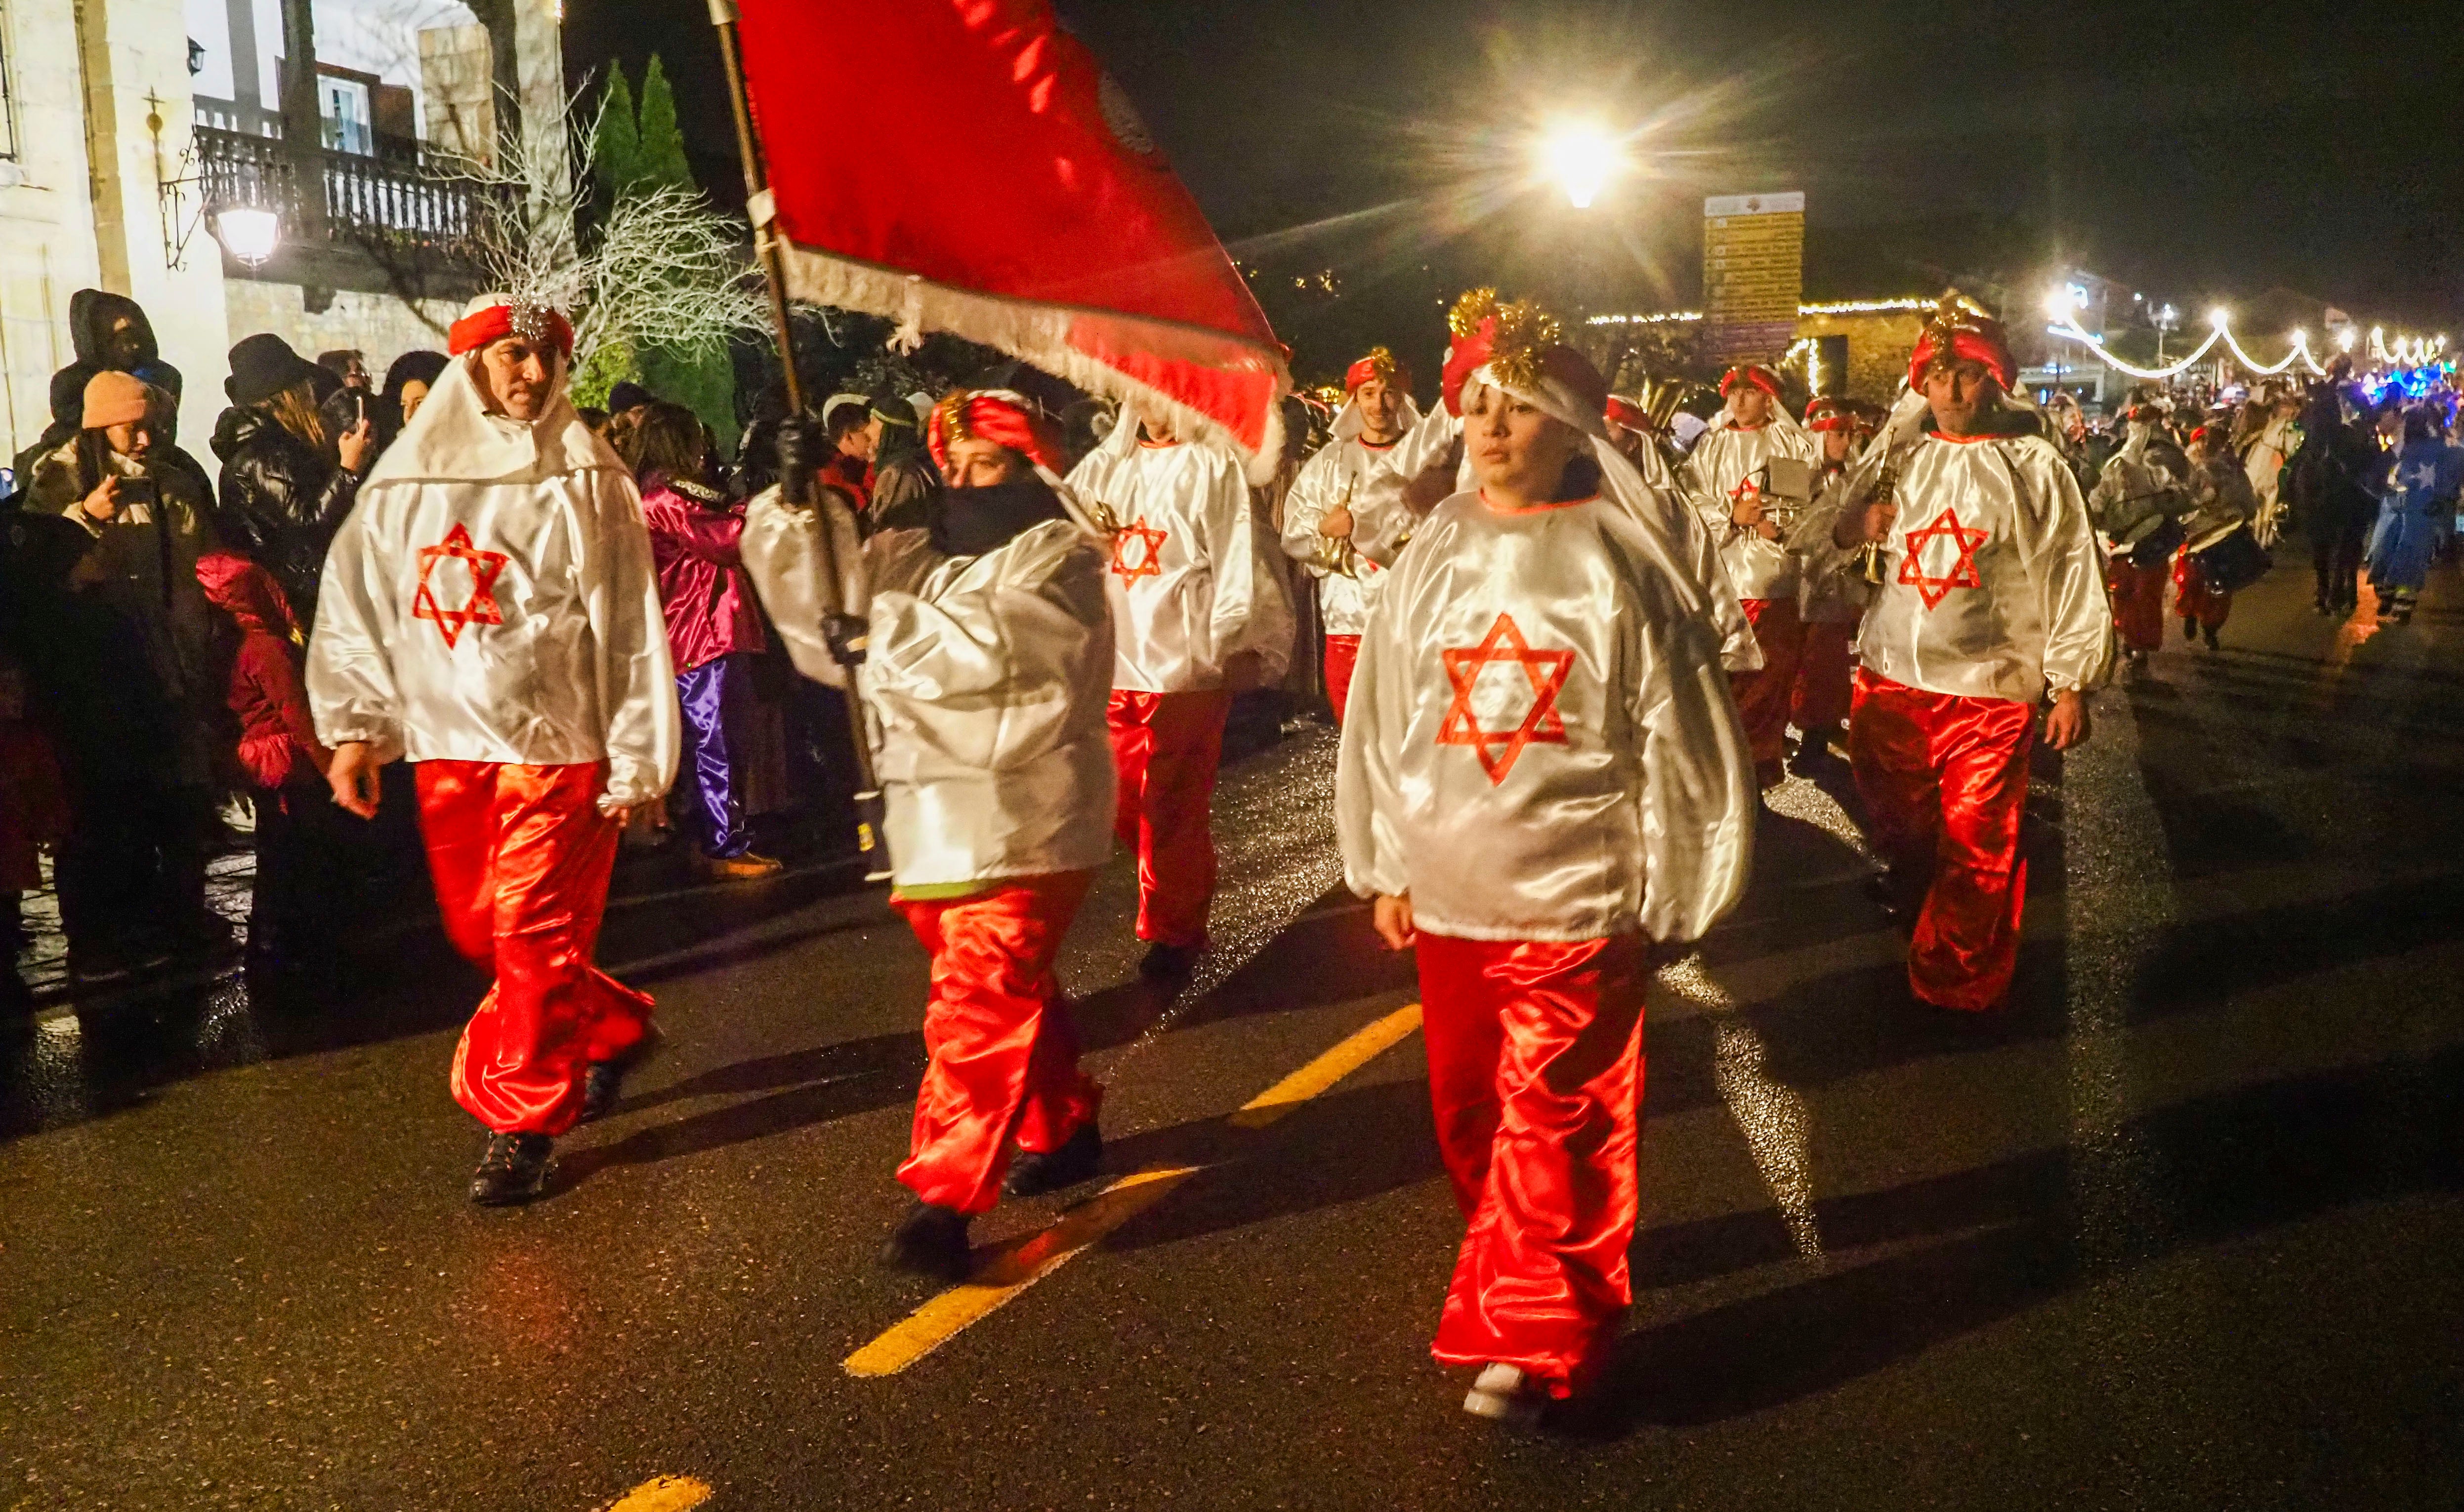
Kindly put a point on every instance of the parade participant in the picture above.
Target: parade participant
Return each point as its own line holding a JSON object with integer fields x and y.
{"x": 2335, "y": 475}
{"x": 1727, "y": 477}
{"x": 988, "y": 666}
{"x": 2221, "y": 502}
{"x": 490, "y": 615}
{"x": 1535, "y": 833}
{"x": 2134, "y": 506}
{"x": 1318, "y": 517}
{"x": 1991, "y": 601}
{"x": 714, "y": 632}
{"x": 2418, "y": 482}
{"x": 1200, "y": 615}
{"x": 2266, "y": 451}
{"x": 901, "y": 487}
{"x": 1831, "y": 598}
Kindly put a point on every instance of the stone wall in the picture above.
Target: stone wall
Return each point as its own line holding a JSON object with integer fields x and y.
{"x": 380, "y": 326}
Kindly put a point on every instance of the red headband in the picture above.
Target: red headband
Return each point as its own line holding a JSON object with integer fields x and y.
{"x": 1627, "y": 413}
{"x": 997, "y": 418}
{"x": 498, "y": 321}
{"x": 1381, "y": 364}
{"x": 1827, "y": 414}
{"x": 1754, "y": 373}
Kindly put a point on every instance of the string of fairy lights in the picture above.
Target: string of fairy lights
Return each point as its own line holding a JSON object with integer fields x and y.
{"x": 2401, "y": 352}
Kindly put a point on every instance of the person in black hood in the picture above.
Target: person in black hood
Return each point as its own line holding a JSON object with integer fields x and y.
{"x": 406, "y": 383}
{"x": 289, "y": 474}
{"x": 108, "y": 332}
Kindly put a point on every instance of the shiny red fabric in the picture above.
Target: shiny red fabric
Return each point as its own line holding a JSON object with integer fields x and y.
{"x": 1381, "y": 364}
{"x": 520, "y": 856}
{"x": 1535, "y": 1076}
{"x": 1945, "y": 782}
{"x": 1165, "y": 748}
{"x": 1819, "y": 707}
{"x": 1342, "y": 655}
{"x": 990, "y": 416}
{"x": 1976, "y": 341}
{"x": 1763, "y": 697}
{"x": 2192, "y": 598}
{"x": 1005, "y": 1055}
{"x": 476, "y": 330}
{"x": 2138, "y": 595}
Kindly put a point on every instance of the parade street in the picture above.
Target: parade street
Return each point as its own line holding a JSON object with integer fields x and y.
{"x": 2177, "y": 1229}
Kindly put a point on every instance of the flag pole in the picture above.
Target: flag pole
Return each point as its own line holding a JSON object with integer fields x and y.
{"x": 761, "y": 209}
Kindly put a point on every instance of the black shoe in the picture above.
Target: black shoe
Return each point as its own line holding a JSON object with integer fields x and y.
{"x": 1170, "y": 963}
{"x": 1035, "y": 1172}
{"x": 603, "y": 1084}
{"x": 930, "y": 1241}
{"x": 513, "y": 1170}
{"x": 2210, "y": 631}
{"x": 2190, "y": 629}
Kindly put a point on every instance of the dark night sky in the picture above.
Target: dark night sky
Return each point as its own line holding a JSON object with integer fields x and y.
{"x": 2201, "y": 150}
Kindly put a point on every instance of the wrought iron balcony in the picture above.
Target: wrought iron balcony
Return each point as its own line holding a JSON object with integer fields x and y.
{"x": 366, "y": 202}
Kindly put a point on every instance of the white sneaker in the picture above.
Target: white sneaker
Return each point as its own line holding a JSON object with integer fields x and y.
{"x": 1503, "y": 1393}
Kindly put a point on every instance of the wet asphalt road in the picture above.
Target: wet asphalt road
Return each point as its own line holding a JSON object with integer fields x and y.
{"x": 2178, "y": 1230}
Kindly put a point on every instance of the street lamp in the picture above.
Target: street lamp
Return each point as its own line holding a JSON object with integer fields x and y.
{"x": 2166, "y": 319}
{"x": 249, "y": 235}
{"x": 1581, "y": 160}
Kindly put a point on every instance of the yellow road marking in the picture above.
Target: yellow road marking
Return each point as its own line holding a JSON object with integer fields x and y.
{"x": 1014, "y": 1268}
{"x": 1327, "y": 1070}
{"x": 665, "y": 1494}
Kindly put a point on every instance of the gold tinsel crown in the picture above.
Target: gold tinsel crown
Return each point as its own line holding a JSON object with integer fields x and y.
{"x": 952, "y": 413}
{"x": 1522, "y": 337}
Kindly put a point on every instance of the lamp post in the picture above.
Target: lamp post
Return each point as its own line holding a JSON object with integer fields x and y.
{"x": 2166, "y": 319}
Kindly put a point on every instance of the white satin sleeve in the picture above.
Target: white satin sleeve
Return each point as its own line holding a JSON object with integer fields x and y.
{"x": 936, "y": 637}
{"x": 1368, "y": 790}
{"x": 352, "y": 694}
{"x": 2059, "y": 551}
{"x": 783, "y": 554}
{"x": 1313, "y": 494}
{"x": 1382, "y": 522}
{"x": 1698, "y": 793}
{"x": 637, "y": 680}
{"x": 1251, "y": 611}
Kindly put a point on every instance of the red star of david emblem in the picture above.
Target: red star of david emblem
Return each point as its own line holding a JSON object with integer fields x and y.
{"x": 482, "y": 608}
{"x": 1541, "y": 724}
{"x": 1963, "y": 572}
{"x": 1147, "y": 561}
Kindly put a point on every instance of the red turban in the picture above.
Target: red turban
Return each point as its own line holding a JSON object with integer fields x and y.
{"x": 1960, "y": 335}
{"x": 1622, "y": 411}
{"x": 995, "y": 415}
{"x": 1754, "y": 373}
{"x": 1381, "y": 364}
{"x": 496, "y": 321}
{"x": 1827, "y": 413}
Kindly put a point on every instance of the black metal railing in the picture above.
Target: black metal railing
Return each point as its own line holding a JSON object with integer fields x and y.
{"x": 363, "y": 199}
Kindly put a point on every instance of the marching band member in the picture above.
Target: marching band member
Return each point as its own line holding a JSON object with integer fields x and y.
{"x": 1534, "y": 832}
{"x": 1725, "y": 476}
{"x": 987, "y": 666}
{"x": 1991, "y": 601}
{"x": 1318, "y": 519}
{"x": 2221, "y": 501}
{"x": 1200, "y": 615}
{"x": 2133, "y": 499}
{"x": 489, "y": 613}
{"x": 1831, "y": 599}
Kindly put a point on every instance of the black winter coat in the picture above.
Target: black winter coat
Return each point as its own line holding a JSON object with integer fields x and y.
{"x": 280, "y": 502}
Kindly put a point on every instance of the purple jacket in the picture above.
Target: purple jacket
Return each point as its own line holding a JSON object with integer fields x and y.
{"x": 693, "y": 542}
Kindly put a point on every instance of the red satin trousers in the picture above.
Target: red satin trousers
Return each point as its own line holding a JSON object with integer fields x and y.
{"x": 520, "y": 856}
{"x": 1535, "y": 1074}
{"x": 1945, "y": 782}
{"x": 1166, "y": 748}
{"x": 2138, "y": 595}
{"x": 2193, "y": 598}
{"x": 1004, "y": 1060}
{"x": 1825, "y": 674}
{"x": 1342, "y": 655}
{"x": 1763, "y": 697}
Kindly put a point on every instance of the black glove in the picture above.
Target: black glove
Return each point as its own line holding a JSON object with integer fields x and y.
{"x": 802, "y": 445}
{"x": 847, "y": 636}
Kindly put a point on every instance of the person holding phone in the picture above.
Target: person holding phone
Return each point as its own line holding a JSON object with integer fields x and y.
{"x": 290, "y": 469}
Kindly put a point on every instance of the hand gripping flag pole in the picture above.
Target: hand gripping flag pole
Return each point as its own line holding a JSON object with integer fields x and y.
{"x": 795, "y": 485}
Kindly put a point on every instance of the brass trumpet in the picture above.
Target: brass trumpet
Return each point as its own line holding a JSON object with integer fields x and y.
{"x": 1335, "y": 553}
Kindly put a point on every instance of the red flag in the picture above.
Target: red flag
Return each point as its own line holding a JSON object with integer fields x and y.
{"x": 971, "y": 168}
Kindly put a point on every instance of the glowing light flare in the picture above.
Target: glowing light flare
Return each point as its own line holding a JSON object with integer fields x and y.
{"x": 2219, "y": 317}
{"x": 249, "y": 235}
{"x": 1581, "y": 160}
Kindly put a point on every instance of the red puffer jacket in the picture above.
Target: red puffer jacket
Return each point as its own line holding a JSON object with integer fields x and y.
{"x": 266, "y": 691}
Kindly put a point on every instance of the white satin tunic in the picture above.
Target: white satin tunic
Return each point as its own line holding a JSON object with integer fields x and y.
{"x": 1723, "y": 460}
{"x": 512, "y": 621}
{"x": 1994, "y": 586}
{"x": 1347, "y": 582}
{"x": 1540, "y": 744}
{"x": 1192, "y": 584}
{"x": 2134, "y": 494}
